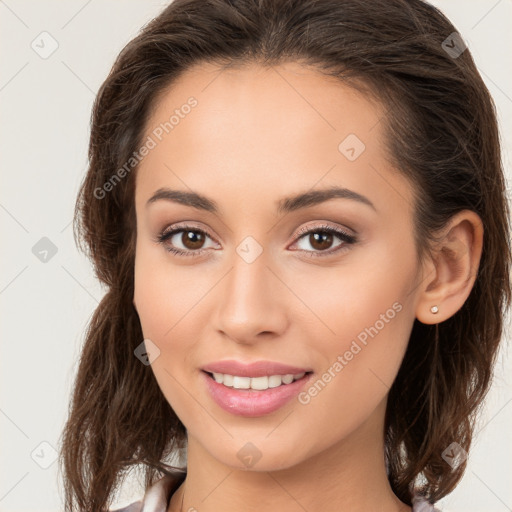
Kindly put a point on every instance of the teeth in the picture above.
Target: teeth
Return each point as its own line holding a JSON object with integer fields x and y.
{"x": 241, "y": 382}
{"x": 258, "y": 383}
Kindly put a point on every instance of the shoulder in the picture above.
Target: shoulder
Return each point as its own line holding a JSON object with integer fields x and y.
{"x": 421, "y": 505}
{"x": 157, "y": 496}
{"x": 136, "y": 506}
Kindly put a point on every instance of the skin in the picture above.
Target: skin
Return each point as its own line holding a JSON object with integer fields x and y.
{"x": 258, "y": 135}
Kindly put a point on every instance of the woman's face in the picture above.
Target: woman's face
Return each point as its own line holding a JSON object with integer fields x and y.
{"x": 259, "y": 278}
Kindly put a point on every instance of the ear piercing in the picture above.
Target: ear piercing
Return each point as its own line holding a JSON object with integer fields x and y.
{"x": 434, "y": 309}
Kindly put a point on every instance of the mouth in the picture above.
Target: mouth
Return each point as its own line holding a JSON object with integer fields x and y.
{"x": 261, "y": 383}
{"x": 253, "y": 396}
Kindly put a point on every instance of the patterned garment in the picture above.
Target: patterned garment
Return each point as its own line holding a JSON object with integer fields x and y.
{"x": 158, "y": 496}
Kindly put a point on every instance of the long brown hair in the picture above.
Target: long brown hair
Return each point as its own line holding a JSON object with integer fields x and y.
{"x": 441, "y": 132}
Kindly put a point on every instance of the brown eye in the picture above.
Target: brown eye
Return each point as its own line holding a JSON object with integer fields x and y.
{"x": 320, "y": 242}
{"x": 192, "y": 239}
{"x": 321, "y": 239}
{"x": 184, "y": 240}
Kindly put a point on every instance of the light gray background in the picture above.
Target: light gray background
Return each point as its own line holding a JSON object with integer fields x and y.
{"x": 45, "y": 111}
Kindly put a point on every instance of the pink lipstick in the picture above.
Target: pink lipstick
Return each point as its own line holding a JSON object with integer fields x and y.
{"x": 255, "y": 389}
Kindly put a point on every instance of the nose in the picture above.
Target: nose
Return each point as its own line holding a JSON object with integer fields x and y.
{"x": 251, "y": 302}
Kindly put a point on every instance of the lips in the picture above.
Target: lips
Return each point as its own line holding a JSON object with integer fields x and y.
{"x": 255, "y": 369}
{"x": 251, "y": 403}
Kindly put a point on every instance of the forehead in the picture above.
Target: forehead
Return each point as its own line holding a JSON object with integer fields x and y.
{"x": 273, "y": 129}
{"x": 253, "y": 96}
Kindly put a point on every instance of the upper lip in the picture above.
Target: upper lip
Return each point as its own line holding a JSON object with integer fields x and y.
{"x": 255, "y": 369}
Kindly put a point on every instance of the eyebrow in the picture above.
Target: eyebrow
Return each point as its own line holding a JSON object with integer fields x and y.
{"x": 285, "y": 205}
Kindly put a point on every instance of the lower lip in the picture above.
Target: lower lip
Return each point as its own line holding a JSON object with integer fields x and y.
{"x": 250, "y": 402}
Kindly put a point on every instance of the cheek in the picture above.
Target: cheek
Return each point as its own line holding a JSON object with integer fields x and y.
{"x": 163, "y": 292}
{"x": 171, "y": 312}
{"x": 372, "y": 326}
{"x": 367, "y": 314}
{"x": 163, "y": 295}
{"x": 369, "y": 288}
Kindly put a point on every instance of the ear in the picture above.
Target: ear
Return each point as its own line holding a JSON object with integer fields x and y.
{"x": 449, "y": 274}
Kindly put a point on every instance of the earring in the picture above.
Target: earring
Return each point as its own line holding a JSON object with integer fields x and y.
{"x": 434, "y": 309}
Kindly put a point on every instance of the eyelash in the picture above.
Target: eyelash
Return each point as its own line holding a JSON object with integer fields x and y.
{"x": 163, "y": 236}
